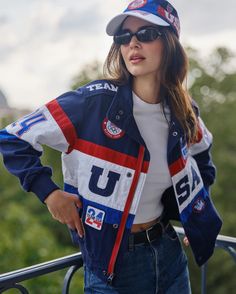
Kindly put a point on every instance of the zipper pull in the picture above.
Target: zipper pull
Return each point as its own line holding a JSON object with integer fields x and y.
{"x": 110, "y": 278}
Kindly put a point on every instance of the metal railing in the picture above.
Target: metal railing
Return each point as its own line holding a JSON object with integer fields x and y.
{"x": 12, "y": 280}
{"x": 223, "y": 242}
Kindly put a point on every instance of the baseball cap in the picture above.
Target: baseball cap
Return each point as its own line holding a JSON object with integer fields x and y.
{"x": 158, "y": 12}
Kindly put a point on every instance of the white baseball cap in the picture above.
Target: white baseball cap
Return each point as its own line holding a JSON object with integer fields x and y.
{"x": 158, "y": 12}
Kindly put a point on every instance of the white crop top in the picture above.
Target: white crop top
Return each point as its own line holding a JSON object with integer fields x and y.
{"x": 153, "y": 128}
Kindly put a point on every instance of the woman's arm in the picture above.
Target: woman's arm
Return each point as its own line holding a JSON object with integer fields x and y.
{"x": 21, "y": 147}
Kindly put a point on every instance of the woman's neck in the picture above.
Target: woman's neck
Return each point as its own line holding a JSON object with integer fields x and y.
{"x": 147, "y": 89}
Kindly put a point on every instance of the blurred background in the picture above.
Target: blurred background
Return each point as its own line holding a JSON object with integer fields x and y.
{"x": 48, "y": 47}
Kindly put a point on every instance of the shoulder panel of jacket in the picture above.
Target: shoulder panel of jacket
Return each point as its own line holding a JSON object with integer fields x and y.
{"x": 74, "y": 105}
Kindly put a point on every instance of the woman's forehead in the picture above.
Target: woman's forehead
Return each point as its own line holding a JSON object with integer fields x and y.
{"x": 132, "y": 22}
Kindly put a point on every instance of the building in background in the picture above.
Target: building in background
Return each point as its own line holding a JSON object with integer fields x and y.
{"x": 3, "y": 101}
{"x": 7, "y": 113}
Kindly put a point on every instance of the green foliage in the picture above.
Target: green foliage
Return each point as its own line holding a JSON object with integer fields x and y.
{"x": 28, "y": 234}
{"x": 87, "y": 74}
{"x": 213, "y": 86}
{"x": 212, "y": 81}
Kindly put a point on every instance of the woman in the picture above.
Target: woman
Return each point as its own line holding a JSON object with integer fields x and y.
{"x": 135, "y": 155}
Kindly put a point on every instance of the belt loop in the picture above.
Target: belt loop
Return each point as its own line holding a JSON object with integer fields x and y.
{"x": 147, "y": 234}
{"x": 162, "y": 227}
{"x": 131, "y": 246}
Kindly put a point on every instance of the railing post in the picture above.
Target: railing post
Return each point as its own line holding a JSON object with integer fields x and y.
{"x": 203, "y": 278}
{"x": 22, "y": 289}
{"x": 69, "y": 275}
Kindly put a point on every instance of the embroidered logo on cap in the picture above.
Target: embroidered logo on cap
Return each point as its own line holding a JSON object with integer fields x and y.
{"x": 169, "y": 8}
{"x": 94, "y": 217}
{"x": 199, "y": 205}
{"x": 137, "y": 4}
{"x": 111, "y": 130}
{"x": 169, "y": 17}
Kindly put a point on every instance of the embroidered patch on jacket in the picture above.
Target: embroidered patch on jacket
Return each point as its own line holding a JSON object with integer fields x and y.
{"x": 199, "y": 205}
{"x": 111, "y": 130}
{"x": 94, "y": 217}
{"x": 184, "y": 152}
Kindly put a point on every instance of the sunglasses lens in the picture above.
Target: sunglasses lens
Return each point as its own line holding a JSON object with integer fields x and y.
{"x": 147, "y": 35}
{"x": 143, "y": 35}
{"x": 123, "y": 38}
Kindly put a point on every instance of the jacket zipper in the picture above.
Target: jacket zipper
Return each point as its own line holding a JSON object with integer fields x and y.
{"x": 111, "y": 266}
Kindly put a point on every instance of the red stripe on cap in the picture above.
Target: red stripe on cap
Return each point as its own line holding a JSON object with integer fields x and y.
{"x": 108, "y": 154}
{"x": 63, "y": 121}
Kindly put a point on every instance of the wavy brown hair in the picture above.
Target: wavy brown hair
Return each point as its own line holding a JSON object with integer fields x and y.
{"x": 173, "y": 72}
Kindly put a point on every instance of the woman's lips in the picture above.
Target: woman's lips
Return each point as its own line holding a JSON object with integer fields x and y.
{"x": 136, "y": 59}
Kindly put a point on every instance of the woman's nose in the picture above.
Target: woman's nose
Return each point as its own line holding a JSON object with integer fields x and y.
{"x": 134, "y": 42}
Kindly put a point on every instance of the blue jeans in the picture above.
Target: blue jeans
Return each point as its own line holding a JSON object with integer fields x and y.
{"x": 160, "y": 267}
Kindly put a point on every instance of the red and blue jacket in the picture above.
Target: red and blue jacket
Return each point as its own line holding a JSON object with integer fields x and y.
{"x": 105, "y": 162}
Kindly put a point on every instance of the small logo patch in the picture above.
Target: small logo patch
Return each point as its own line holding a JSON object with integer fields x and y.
{"x": 169, "y": 17}
{"x": 137, "y": 4}
{"x": 184, "y": 152}
{"x": 199, "y": 205}
{"x": 94, "y": 217}
{"x": 111, "y": 130}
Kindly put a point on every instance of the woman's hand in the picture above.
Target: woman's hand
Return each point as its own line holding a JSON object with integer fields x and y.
{"x": 186, "y": 241}
{"x": 63, "y": 207}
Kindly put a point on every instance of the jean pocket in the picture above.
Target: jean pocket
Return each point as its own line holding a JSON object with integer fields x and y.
{"x": 76, "y": 240}
{"x": 170, "y": 233}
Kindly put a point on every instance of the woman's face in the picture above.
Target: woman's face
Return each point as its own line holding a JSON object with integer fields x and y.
{"x": 141, "y": 59}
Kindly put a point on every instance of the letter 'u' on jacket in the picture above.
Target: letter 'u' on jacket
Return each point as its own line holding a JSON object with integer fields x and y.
{"x": 95, "y": 130}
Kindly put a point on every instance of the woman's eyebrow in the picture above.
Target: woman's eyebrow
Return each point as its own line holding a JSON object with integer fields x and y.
{"x": 140, "y": 28}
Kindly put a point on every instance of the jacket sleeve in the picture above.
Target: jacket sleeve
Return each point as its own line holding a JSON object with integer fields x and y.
{"x": 21, "y": 142}
{"x": 201, "y": 152}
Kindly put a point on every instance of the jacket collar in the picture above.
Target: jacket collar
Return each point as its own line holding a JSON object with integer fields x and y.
{"x": 120, "y": 112}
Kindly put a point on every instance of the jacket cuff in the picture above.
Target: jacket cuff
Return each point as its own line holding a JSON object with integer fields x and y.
{"x": 43, "y": 186}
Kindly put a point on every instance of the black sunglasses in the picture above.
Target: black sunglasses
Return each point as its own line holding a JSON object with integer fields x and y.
{"x": 144, "y": 34}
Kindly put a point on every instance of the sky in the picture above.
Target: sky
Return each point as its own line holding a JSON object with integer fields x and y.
{"x": 45, "y": 43}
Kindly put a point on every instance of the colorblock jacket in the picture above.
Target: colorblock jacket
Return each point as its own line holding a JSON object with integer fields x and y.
{"x": 105, "y": 162}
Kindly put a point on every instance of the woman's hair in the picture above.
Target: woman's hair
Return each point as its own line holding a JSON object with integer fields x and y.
{"x": 173, "y": 72}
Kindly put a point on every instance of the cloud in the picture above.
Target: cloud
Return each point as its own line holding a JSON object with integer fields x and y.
{"x": 3, "y": 19}
{"x": 206, "y": 17}
{"x": 82, "y": 22}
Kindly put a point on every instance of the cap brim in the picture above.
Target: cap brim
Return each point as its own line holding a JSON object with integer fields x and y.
{"x": 116, "y": 22}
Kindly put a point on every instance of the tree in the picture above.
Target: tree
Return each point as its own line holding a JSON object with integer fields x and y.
{"x": 213, "y": 85}
{"x": 87, "y": 74}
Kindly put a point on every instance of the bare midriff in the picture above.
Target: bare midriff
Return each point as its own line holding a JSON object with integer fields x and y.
{"x": 142, "y": 227}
